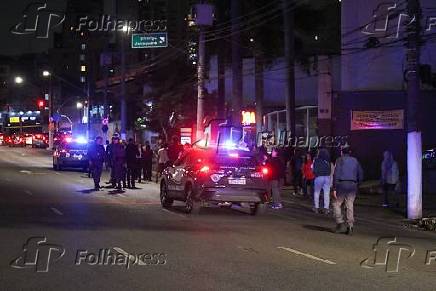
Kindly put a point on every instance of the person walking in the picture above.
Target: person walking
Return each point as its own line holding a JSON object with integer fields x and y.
{"x": 348, "y": 174}
{"x": 277, "y": 174}
{"x": 147, "y": 162}
{"x": 118, "y": 161}
{"x": 322, "y": 170}
{"x": 162, "y": 160}
{"x": 132, "y": 154}
{"x": 297, "y": 176}
{"x": 308, "y": 175}
{"x": 390, "y": 177}
{"x": 97, "y": 157}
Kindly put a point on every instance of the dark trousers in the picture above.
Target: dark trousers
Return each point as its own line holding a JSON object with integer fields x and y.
{"x": 147, "y": 170}
{"x": 97, "y": 169}
{"x": 388, "y": 188}
{"x": 131, "y": 176}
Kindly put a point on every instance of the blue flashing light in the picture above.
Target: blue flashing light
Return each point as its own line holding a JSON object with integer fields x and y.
{"x": 81, "y": 140}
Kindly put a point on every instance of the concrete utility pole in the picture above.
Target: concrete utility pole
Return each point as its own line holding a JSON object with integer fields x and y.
{"x": 289, "y": 40}
{"x": 236, "y": 62}
{"x": 221, "y": 102}
{"x": 201, "y": 81}
{"x": 204, "y": 18}
{"x": 259, "y": 85}
{"x": 414, "y": 139}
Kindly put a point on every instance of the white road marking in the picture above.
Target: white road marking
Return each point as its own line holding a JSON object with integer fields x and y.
{"x": 56, "y": 211}
{"x": 28, "y": 192}
{"x": 122, "y": 195}
{"x": 307, "y": 255}
{"x": 26, "y": 172}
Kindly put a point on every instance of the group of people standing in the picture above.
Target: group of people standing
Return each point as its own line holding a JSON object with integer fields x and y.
{"x": 316, "y": 173}
{"x": 320, "y": 174}
{"x": 128, "y": 163}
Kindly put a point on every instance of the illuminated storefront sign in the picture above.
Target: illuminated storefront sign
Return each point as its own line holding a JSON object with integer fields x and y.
{"x": 248, "y": 117}
{"x": 373, "y": 120}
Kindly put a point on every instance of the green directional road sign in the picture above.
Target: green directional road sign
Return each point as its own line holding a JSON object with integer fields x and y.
{"x": 150, "y": 40}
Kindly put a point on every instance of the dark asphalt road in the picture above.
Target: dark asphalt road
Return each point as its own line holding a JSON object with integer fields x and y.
{"x": 220, "y": 249}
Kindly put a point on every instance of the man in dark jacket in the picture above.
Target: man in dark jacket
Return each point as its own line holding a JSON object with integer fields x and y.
{"x": 278, "y": 170}
{"x": 323, "y": 180}
{"x": 132, "y": 154}
{"x": 118, "y": 161}
{"x": 97, "y": 156}
{"x": 348, "y": 174}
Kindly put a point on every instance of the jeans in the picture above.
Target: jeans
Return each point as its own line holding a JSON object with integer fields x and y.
{"x": 349, "y": 205}
{"x": 322, "y": 183}
{"x": 275, "y": 189}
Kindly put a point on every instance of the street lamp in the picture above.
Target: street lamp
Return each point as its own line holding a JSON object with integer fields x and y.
{"x": 79, "y": 105}
{"x": 18, "y": 80}
{"x": 46, "y": 73}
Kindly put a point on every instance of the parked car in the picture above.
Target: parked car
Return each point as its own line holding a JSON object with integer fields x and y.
{"x": 40, "y": 140}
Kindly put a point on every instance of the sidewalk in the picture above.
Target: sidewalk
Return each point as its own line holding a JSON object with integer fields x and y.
{"x": 368, "y": 205}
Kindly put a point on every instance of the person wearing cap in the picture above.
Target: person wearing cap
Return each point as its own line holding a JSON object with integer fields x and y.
{"x": 347, "y": 176}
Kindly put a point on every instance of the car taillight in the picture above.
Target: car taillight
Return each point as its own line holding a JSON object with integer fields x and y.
{"x": 265, "y": 171}
{"x": 262, "y": 172}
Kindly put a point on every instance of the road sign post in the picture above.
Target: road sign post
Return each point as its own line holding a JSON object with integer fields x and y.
{"x": 150, "y": 40}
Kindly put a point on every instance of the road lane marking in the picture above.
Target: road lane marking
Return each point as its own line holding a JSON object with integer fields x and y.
{"x": 56, "y": 211}
{"x": 28, "y": 192}
{"x": 307, "y": 255}
{"x": 26, "y": 172}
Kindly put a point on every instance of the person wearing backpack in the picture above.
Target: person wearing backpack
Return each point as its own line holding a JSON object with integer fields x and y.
{"x": 322, "y": 170}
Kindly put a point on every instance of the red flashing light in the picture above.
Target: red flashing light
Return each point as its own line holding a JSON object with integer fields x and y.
{"x": 205, "y": 169}
{"x": 40, "y": 104}
{"x": 265, "y": 171}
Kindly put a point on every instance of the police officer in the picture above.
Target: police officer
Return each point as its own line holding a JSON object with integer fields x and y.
{"x": 97, "y": 157}
{"x": 132, "y": 152}
{"x": 118, "y": 161}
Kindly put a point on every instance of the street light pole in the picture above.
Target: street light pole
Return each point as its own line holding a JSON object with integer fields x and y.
{"x": 123, "y": 88}
{"x": 50, "y": 113}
